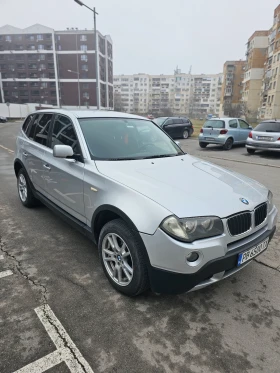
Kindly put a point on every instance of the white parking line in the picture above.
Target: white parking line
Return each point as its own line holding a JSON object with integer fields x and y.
{"x": 66, "y": 349}
{"x": 9, "y": 150}
{"x": 6, "y": 273}
{"x": 1, "y": 257}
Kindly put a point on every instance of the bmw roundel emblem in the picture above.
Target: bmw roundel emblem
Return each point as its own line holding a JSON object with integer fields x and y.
{"x": 244, "y": 200}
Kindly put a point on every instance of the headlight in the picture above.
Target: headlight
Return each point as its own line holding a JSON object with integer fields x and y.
{"x": 269, "y": 201}
{"x": 192, "y": 229}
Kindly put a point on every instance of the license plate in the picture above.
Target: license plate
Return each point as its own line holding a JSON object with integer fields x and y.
{"x": 251, "y": 253}
{"x": 265, "y": 138}
{"x": 209, "y": 138}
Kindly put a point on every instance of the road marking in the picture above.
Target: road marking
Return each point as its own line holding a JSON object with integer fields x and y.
{"x": 66, "y": 349}
{"x": 9, "y": 150}
{"x": 6, "y": 273}
{"x": 1, "y": 257}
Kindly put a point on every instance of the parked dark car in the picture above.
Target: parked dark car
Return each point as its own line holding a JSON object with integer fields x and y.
{"x": 3, "y": 119}
{"x": 180, "y": 127}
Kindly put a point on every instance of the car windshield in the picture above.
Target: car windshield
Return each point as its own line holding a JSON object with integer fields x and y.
{"x": 214, "y": 124}
{"x": 268, "y": 127}
{"x": 160, "y": 120}
{"x": 126, "y": 139}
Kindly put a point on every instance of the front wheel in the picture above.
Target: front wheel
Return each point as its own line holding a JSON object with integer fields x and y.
{"x": 185, "y": 134}
{"x": 251, "y": 151}
{"x": 203, "y": 145}
{"x": 123, "y": 258}
{"x": 228, "y": 144}
{"x": 24, "y": 190}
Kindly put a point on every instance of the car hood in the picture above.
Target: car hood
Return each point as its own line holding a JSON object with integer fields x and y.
{"x": 187, "y": 186}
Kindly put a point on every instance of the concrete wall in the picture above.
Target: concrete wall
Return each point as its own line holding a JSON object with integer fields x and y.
{"x": 19, "y": 111}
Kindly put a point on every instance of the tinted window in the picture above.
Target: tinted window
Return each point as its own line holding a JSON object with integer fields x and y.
{"x": 214, "y": 124}
{"x": 26, "y": 124}
{"x": 178, "y": 121}
{"x": 120, "y": 139}
{"x": 64, "y": 134}
{"x": 33, "y": 126}
{"x": 41, "y": 132}
{"x": 268, "y": 127}
{"x": 243, "y": 124}
{"x": 169, "y": 121}
{"x": 159, "y": 121}
{"x": 233, "y": 123}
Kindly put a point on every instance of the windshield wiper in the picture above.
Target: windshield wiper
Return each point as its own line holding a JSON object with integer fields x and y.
{"x": 271, "y": 131}
{"x": 161, "y": 156}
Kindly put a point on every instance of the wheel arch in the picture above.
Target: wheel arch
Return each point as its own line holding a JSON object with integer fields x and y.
{"x": 18, "y": 165}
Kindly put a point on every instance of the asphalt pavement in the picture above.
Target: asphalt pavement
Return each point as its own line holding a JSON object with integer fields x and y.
{"x": 58, "y": 312}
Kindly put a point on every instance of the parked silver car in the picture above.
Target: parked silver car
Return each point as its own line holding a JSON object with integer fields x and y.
{"x": 127, "y": 185}
{"x": 266, "y": 136}
{"x": 224, "y": 131}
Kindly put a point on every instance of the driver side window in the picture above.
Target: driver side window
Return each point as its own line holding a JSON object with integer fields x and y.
{"x": 243, "y": 124}
{"x": 63, "y": 133}
{"x": 169, "y": 121}
{"x": 233, "y": 123}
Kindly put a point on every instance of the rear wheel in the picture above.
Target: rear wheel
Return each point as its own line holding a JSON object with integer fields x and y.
{"x": 251, "y": 151}
{"x": 24, "y": 190}
{"x": 228, "y": 144}
{"x": 203, "y": 144}
{"x": 123, "y": 259}
{"x": 185, "y": 134}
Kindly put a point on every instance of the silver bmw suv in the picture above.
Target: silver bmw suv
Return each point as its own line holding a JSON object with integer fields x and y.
{"x": 161, "y": 218}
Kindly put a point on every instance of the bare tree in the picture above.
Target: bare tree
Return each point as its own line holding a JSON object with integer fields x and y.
{"x": 166, "y": 112}
{"x": 118, "y": 106}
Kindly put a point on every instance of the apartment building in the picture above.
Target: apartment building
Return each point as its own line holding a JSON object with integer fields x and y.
{"x": 177, "y": 94}
{"x": 231, "y": 92}
{"x": 270, "y": 90}
{"x": 44, "y": 66}
{"x": 253, "y": 73}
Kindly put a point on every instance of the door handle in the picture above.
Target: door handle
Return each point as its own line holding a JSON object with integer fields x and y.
{"x": 47, "y": 166}
{"x": 25, "y": 154}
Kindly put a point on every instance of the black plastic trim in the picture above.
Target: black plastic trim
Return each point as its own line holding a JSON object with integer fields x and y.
{"x": 176, "y": 283}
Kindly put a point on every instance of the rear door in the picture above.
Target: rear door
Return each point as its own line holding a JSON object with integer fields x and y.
{"x": 65, "y": 177}
{"x": 233, "y": 130}
{"x": 34, "y": 149}
{"x": 244, "y": 130}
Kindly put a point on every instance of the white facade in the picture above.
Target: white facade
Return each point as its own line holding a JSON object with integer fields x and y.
{"x": 158, "y": 94}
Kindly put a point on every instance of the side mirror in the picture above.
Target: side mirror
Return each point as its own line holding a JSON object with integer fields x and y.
{"x": 250, "y": 127}
{"x": 62, "y": 151}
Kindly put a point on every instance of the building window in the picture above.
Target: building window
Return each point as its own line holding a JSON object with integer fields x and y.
{"x": 84, "y": 57}
{"x": 42, "y": 66}
{"x": 44, "y": 85}
{"x": 41, "y": 57}
{"x": 40, "y": 37}
{"x": 18, "y": 38}
{"x": 83, "y": 38}
{"x": 59, "y": 47}
{"x": 85, "y": 67}
{"x": 40, "y": 47}
{"x": 83, "y": 47}
{"x": 85, "y": 86}
{"x": 86, "y": 95}
{"x": 274, "y": 85}
{"x": 8, "y": 38}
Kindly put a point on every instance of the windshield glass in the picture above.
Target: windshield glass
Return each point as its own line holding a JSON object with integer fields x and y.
{"x": 159, "y": 121}
{"x": 125, "y": 139}
{"x": 214, "y": 124}
{"x": 268, "y": 127}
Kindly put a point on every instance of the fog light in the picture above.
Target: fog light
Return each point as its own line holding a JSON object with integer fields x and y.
{"x": 192, "y": 257}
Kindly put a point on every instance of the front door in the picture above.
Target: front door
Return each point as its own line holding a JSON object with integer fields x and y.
{"x": 244, "y": 130}
{"x": 168, "y": 127}
{"x": 178, "y": 127}
{"x": 65, "y": 177}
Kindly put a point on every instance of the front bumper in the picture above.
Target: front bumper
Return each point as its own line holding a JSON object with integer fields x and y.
{"x": 264, "y": 146}
{"x": 167, "y": 282}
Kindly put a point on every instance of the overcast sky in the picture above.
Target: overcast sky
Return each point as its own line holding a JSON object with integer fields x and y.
{"x": 154, "y": 36}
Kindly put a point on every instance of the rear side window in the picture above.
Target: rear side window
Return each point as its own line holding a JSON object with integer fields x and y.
{"x": 214, "y": 124}
{"x": 64, "y": 133}
{"x": 268, "y": 127}
{"x": 233, "y": 123}
{"x": 42, "y": 129}
{"x": 178, "y": 121}
{"x": 169, "y": 121}
{"x": 26, "y": 124}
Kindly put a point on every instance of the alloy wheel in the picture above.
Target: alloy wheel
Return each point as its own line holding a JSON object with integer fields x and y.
{"x": 117, "y": 259}
{"x": 22, "y": 188}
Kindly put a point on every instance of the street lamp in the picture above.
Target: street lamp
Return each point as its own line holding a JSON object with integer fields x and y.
{"x": 76, "y": 72}
{"x": 96, "y": 50}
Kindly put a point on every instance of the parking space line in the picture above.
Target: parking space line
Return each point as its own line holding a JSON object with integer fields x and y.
{"x": 241, "y": 161}
{"x": 1, "y": 257}
{"x": 43, "y": 364}
{"x": 69, "y": 352}
{"x": 6, "y": 273}
{"x": 9, "y": 150}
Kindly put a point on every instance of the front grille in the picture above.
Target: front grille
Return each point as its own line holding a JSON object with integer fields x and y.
{"x": 260, "y": 214}
{"x": 239, "y": 223}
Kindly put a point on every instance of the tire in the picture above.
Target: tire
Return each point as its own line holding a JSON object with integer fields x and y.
{"x": 203, "y": 145}
{"x": 185, "y": 134}
{"x": 24, "y": 190}
{"x": 251, "y": 151}
{"x": 129, "y": 243}
{"x": 228, "y": 144}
